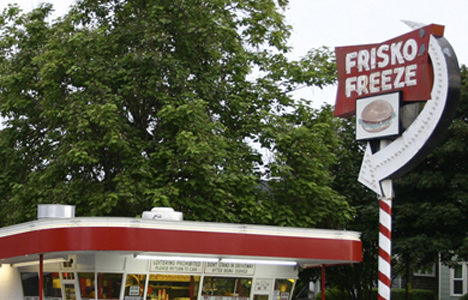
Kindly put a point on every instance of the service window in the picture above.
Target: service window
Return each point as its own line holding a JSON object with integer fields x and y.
{"x": 30, "y": 282}
{"x": 52, "y": 286}
{"x": 134, "y": 286}
{"x": 172, "y": 287}
{"x": 283, "y": 289}
{"x": 69, "y": 291}
{"x": 87, "y": 286}
{"x": 226, "y": 288}
{"x": 109, "y": 285}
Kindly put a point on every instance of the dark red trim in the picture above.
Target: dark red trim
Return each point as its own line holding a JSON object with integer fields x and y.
{"x": 179, "y": 241}
{"x": 322, "y": 282}
{"x": 41, "y": 275}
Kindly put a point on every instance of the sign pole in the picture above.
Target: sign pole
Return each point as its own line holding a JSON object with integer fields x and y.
{"x": 41, "y": 275}
{"x": 322, "y": 282}
{"x": 385, "y": 241}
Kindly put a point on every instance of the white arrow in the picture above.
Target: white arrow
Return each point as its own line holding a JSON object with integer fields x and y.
{"x": 387, "y": 161}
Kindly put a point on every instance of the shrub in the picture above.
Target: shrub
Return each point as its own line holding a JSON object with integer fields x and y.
{"x": 332, "y": 294}
{"x": 397, "y": 294}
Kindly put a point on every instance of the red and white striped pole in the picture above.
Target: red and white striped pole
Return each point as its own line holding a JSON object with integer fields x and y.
{"x": 385, "y": 241}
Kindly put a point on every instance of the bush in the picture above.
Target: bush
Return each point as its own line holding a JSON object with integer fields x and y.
{"x": 331, "y": 294}
{"x": 397, "y": 294}
{"x": 415, "y": 294}
{"x": 464, "y": 297}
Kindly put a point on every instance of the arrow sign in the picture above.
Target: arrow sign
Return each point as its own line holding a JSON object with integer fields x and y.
{"x": 421, "y": 136}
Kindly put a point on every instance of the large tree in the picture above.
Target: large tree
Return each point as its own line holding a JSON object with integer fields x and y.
{"x": 123, "y": 105}
{"x": 301, "y": 176}
{"x": 429, "y": 208}
{"x": 431, "y": 202}
{"x": 355, "y": 281}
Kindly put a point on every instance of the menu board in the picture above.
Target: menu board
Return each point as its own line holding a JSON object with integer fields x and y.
{"x": 229, "y": 269}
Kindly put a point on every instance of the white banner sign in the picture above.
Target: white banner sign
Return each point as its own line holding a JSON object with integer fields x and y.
{"x": 176, "y": 266}
{"x": 234, "y": 269}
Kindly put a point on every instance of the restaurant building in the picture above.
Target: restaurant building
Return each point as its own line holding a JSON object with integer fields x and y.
{"x": 160, "y": 257}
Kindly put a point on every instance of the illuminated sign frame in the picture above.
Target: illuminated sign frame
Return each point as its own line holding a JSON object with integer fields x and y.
{"x": 436, "y": 70}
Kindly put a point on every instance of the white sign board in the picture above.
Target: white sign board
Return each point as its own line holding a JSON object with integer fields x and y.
{"x": 176, "y": 266}
{"x": 229, "y": 269}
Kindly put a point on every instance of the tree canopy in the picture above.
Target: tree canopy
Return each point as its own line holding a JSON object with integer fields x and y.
{"x": 431, "y": 201}
{"x": 120, "y": 106}
{"x": 429, "y": 208}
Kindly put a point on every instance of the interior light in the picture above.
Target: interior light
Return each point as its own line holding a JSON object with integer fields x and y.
{"x": 36, "y": 262}
{"x": 177, "y": 258}
{"x": 258, "y": 261}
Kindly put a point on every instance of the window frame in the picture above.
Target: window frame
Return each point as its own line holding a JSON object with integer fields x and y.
{"x": 463, "y": 279}
{"x": 430, "y": 271}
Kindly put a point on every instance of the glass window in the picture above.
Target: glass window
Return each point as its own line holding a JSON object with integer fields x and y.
{"x": 69, "y": 291}
{"x": 172, "y": 287}
{"x": 87, "y": 286}
{"x": 429, "y": 271}
{"x": 68, "y": 275}
{"x": 226, "y": 288}
{"x": 109, "y": 285}
{"x": 52, "y": 286}
{"x": 30, "y": 282}
{"x": 283, "y": 289}
{"x": 457, "y": 287}
{"x": 134, "y": 286}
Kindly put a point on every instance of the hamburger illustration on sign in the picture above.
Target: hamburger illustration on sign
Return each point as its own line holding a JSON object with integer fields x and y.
{"x": 377, "y": 116}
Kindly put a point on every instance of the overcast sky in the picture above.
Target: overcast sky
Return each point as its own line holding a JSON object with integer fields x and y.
{"x": 335, "y": 23}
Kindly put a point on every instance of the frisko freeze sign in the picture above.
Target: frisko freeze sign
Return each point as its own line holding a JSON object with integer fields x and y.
{"x": 400, "y": 64}
{"x": 376, "y": 81}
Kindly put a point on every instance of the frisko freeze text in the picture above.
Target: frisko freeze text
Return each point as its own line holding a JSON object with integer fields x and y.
{"x": 379, "y": 59}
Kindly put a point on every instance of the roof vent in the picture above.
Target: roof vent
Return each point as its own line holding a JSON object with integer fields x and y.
{"x": 163, "y": 213}
{"x": 55, "y": 211}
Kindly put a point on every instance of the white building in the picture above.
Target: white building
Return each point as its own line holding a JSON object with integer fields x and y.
{"x": 59, "y": 256}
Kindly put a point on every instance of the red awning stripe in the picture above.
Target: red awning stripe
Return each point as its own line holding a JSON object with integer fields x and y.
{"x": 176, "y": 241}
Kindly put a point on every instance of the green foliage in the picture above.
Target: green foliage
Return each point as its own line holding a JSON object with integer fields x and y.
{"x": 120, "y": 106}
{"x": 396, "y": 294}
{"x": 305, "y": 142}
{"x": 429, "y": 209}
{"x": 355, "y": 281}
{"x": 331, "y": 294}
{"x": 415, "y": 294}
{"x": 464, "y": 297}
{"x": 431, "y": 202}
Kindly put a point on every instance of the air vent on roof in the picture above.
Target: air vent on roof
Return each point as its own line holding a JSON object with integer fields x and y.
{"x": 163, "y": 213}
{"x": 55, "y": 211}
